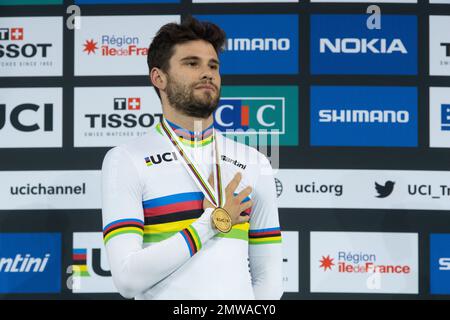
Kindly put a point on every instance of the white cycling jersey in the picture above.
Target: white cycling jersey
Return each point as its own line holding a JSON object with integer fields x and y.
{"x": 161, "y": 243}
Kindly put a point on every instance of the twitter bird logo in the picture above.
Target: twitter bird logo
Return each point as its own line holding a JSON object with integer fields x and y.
{"x": 386, "y": 190}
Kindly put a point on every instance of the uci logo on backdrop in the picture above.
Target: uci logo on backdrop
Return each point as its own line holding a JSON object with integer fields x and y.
{"x": 30, "y": 117}
{"x": 258, "y": 44}
{"x": 90, "y": 271}
{"x": 342, "y": 44}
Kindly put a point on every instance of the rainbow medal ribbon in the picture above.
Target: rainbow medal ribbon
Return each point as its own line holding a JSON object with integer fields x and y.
{"x": 217, "y": 195}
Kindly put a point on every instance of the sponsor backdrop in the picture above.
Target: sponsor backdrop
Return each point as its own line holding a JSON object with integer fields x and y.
{"x": 354, "y": 108}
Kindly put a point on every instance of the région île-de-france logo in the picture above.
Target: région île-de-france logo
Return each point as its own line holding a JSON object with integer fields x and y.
{"x": 110, "y": 45}
{"x": 326, "y": 263}
{"x": 360, "y": 262}
{"x": 90, "y": 46}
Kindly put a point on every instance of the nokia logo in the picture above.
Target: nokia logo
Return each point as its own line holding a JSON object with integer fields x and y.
{"x": 363, "y": 116}
{"x": 258, "y": 44}
{"x": 355, "y": 45}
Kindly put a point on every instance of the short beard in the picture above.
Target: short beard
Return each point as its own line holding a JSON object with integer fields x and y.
{"x": 182, "y": 98}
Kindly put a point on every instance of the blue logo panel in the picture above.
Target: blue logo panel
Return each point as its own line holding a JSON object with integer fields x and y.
{"x": 445, "y": 117}
{"x": 258, "y": 44}
{"x": 364, "y": 116}
{"x": 440, "y": 263}
{"x": 30, "y": 263}
{"x": 342, "y": 44}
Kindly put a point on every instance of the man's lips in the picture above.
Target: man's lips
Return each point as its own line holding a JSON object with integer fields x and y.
{"x": 206, "y": 86}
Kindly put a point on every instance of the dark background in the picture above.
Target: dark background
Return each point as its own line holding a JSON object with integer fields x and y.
{"x": 302, "y": 157}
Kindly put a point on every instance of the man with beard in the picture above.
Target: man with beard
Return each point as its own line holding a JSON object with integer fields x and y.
{"x": 188, "y": 213}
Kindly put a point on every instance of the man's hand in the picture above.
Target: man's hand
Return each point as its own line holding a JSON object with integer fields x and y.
{"x": 233, "y": 204}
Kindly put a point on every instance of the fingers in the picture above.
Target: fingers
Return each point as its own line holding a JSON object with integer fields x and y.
{"x": 246, "y": 205}
{"x": 233, "y": 184}
{"x": 244, "y": 194}
{"x": 243, "y": 219}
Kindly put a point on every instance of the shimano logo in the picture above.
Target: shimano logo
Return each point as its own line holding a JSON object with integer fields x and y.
{"x": 24, "y": 264}
{"x": 258, "y": 44}
{"x": 363, "y": 116}
{"x": 355, "y": 45}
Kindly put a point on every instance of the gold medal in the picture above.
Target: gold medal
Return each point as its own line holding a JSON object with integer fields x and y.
{"x": 215, "y": 193}
{"x": 222, "y": 220}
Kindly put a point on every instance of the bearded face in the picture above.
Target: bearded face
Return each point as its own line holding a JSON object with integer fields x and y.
{"x": 198, "y": 99}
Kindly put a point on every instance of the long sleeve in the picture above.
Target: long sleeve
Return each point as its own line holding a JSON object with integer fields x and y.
{"x": 265, "y": 251}
{"x": 136, "y": 269}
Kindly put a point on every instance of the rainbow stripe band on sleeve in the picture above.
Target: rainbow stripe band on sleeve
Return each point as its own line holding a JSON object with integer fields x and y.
{"x": 264, "y": 236}
{"x": 124, "y": 226}
{"x": 192, "y": 239}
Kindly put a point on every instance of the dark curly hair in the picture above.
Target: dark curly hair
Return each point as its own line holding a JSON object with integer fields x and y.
{"x": 162, "y": 47}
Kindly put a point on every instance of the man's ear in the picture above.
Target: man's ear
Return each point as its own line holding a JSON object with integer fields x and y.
{"x": 158, "y": 78}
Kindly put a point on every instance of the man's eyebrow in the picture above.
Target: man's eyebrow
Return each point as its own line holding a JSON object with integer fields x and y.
{"x": 197, "y": 58}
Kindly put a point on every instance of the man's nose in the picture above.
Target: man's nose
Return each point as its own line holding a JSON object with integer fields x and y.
{"x": 207, "y": 73}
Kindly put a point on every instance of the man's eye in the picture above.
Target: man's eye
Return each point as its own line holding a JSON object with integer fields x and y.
{"x": 192, "y": 63}
{"x": 214, "y": 67}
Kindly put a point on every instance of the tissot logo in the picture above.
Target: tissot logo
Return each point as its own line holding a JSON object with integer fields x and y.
{"x": 11, "y": 33}
{"x": 384, "y": 190}
{"x": 109, "y": 116}
{"x": 127, "y": 103}
{"x": 128, "y": 120}
{"x": 17, "y": 49}
{"x": 30, "y": 46}
{"x": 447, "y": 48}
{"x": 439, "y": 45}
